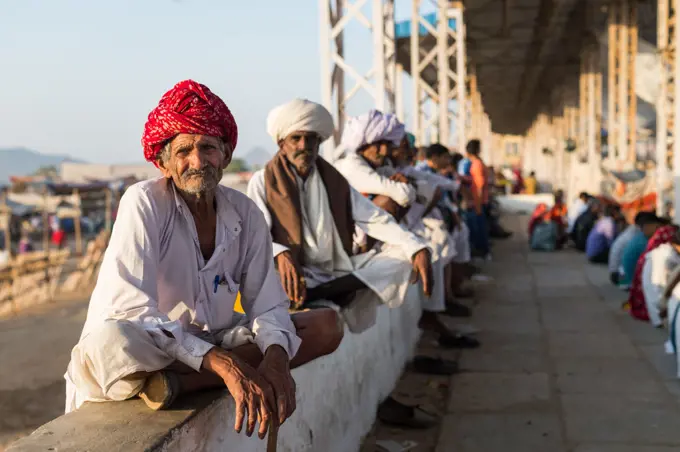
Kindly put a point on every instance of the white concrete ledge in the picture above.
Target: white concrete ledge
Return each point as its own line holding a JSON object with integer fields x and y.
{"x": 523, "y": 204}
{"x": 337, "y": 397}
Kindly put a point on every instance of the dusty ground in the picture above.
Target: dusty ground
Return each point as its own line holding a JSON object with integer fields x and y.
{"x": 34, "y": 354}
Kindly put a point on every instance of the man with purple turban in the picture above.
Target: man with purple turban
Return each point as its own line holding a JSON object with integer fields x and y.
{"x": 161, "y": 319}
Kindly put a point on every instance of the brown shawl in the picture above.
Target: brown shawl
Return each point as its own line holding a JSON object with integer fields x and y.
{"x": 283, "y": 202}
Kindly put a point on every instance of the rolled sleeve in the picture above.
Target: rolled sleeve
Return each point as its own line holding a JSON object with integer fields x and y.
{"x": 191, "y": 351}
{"x": 262, "y": 296}
{"x": 365, "y": 179}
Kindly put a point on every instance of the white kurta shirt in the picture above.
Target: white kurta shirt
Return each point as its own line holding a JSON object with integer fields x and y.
{"x": 369, "y": 218}
{"x": 154, "y": 275}
{"x": 363, "y": 178}
{"x": 619, "y": 246}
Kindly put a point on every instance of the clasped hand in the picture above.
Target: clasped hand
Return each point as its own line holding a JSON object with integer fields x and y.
{"x": 266, "y": 394}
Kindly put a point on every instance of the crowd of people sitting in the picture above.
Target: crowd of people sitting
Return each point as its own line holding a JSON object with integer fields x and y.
{"x": 318, "y": 243}
{"x": 642, "y": 256}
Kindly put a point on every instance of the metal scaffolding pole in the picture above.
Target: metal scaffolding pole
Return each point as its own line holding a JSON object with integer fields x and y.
{"x": 380, "y": 82}
{"x": 665, "y": 110}
{"x": 435, "y": 123}
{"x": 622, "y": 105}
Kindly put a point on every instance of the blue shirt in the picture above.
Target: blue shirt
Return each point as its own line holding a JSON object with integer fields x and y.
{"x": 631, "y": 255}
{"x": 601, "y": 237}
{"x": 423, "y": 166}
{"x": 464, "y": 167}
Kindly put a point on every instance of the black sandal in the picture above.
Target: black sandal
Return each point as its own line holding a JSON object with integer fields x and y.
{"x": 434, "y": 366}
{"x": 454, "y": 309}
{"x": 397, "y": 414}
{"x": 457, "y": 341}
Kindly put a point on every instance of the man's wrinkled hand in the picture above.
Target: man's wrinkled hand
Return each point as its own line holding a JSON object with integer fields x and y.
{"x": 291, "y": 278}
{"x": 422, "y": 269}
{"x": 275, "y": 368}
{"x": 250, "y": 390}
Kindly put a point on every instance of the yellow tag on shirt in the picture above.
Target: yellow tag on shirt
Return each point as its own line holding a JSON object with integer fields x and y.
{"x": 237, "y": 304}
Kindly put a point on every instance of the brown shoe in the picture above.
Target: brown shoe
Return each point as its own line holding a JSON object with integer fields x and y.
{"x": 160, "y": 390}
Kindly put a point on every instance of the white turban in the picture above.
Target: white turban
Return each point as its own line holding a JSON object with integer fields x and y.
{"x": 299, "y": 115}
{"x": 370, "y": 128}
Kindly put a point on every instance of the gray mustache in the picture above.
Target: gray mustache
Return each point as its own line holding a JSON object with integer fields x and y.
{"x": 204, "y": 172}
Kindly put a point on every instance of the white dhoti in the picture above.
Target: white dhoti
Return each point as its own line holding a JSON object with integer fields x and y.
{"x": 432, "y": 229}
{"x": 112, "y": 362}
{"x": 461, "y": 237}
{"x": 385, "y": 272}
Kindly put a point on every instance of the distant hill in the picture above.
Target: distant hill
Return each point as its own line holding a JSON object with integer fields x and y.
{"x": 22, "y": 162}
{"x": 257, "y": 156}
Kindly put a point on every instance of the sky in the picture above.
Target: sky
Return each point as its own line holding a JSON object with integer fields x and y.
{"x": 79, "y": 77}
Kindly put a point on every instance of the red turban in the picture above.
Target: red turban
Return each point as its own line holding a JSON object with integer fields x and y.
{"x": 189, "y": 107}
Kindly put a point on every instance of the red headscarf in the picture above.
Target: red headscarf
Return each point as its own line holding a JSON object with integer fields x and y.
{"x": 189, "y": 107}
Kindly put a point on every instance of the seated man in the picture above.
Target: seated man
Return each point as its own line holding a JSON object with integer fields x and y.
{"x": 636, "y": 304}
{"x": 658, "y": 266}
{"x": 543, "y": 230}
{"x": 616, "y": 253}
{"x": 161, "y": 319}
{"x": 366, "y": 144}
{"x": 312, "y": 212}
{"x": 584, "y": 224}
{"x": 646, "y": 225}
{"x": 577, "y": 208}
{"x": 558, "y": 215}
{"x": 601, "y": 237}
{"x": 430, "y": 171}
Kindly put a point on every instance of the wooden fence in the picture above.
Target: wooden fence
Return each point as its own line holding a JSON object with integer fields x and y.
{"x": 36, "y": 278}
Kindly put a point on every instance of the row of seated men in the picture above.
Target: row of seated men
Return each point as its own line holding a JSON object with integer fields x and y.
{"x": 643, "y": 259}
{"x": 316, "y": 245}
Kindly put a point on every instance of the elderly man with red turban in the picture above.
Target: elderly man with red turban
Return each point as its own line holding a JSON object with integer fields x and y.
{"x": 161, "y": 319}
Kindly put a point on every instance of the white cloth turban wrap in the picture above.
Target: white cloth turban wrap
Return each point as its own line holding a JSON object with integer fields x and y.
{"x": 370, "y": 128}
{"x": 299, "y": 115}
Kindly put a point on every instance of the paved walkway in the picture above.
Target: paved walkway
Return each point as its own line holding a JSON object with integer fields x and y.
{"x": 34, "y": 351}
{"x": 561, "y": 367}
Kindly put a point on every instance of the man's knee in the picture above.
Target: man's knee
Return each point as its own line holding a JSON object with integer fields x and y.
{"x": 325, "y": 328}
{"x": 332, "y": 329}
{"x": 109, "y": 332}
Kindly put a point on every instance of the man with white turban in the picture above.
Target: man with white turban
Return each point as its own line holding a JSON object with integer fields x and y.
{"x": 367, "y": 141}
{"x": 313, "y": 213}
{"x": 315, "y": 217}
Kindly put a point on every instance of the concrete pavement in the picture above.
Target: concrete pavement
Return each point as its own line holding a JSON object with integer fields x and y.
{"x": 34, "y": 350}
{"x": 562, "y": 367}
